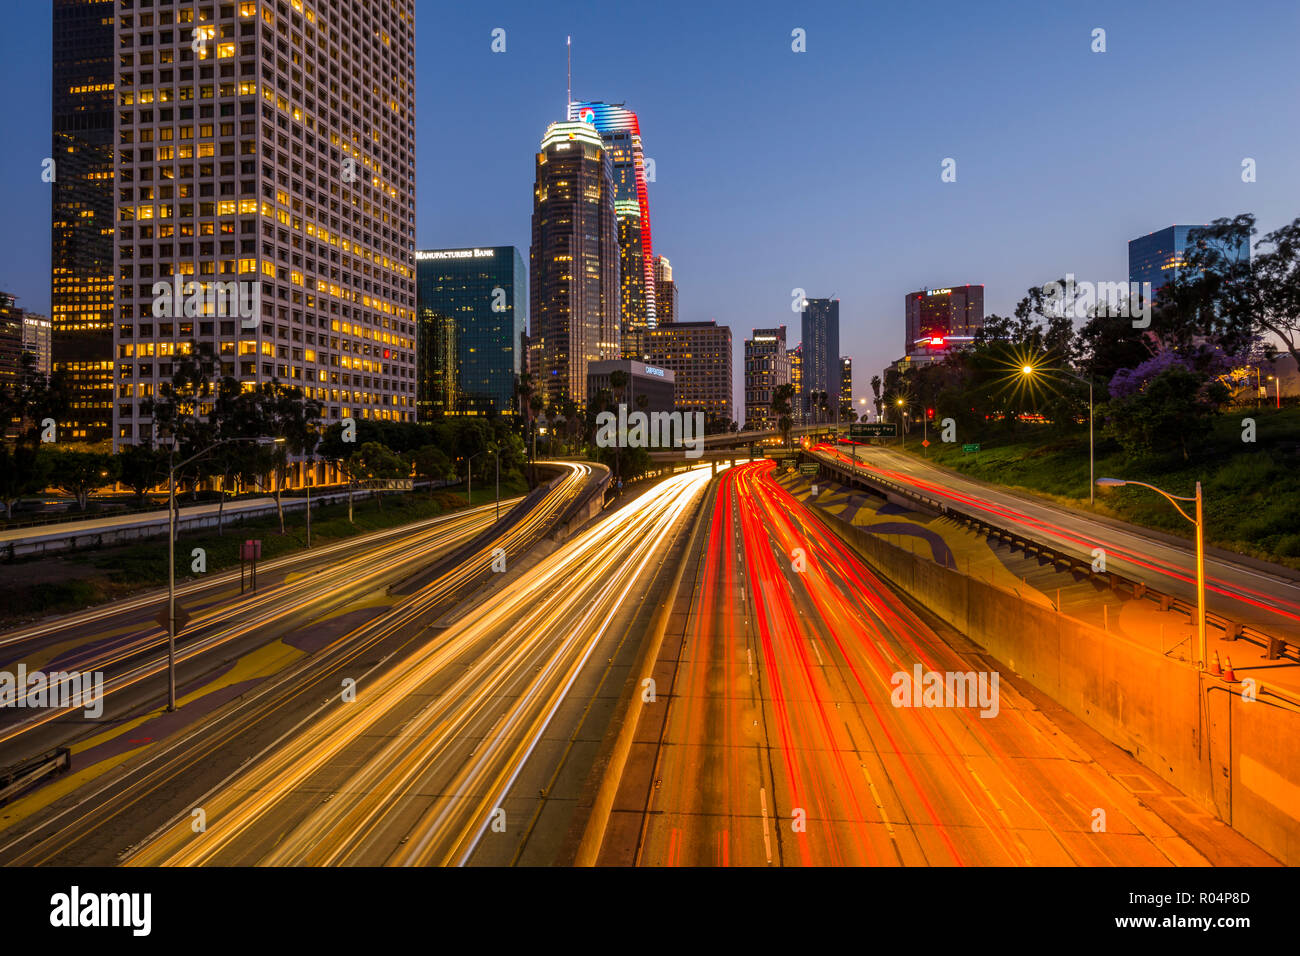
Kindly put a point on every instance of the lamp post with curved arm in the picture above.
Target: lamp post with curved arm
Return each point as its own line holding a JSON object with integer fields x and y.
{"x": 1199, "y": 522}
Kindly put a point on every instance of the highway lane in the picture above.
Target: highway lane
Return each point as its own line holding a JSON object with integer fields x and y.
{"x": 787, "y": 740}
{"x": 118, "y": 640}
{"x": 100, "y": 821}
{"x": 1250, "y": 595}
{"x": 421, "y": 767}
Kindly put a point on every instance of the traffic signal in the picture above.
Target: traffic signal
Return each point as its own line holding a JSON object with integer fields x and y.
{"x": 929, "y": 413}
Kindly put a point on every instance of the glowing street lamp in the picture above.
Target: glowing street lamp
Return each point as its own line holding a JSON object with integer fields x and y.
{"x": 1199, "y": 522}
{"x": 1029, "y": 371}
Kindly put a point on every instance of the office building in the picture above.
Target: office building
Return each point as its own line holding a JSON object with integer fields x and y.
{"x": 82, "y": 190}
{"x": 573, "y": 263}
{"x": 11, "y": 342}
{"x": 621, "y": 131}
{"x": 472, "y": 311}
{"x": 38, "y": 340}
{"x": 666, "y": 310}
{"x": 798, "y": 412}
{"x": 820, "y": 319}
{"x": 1159, "y": 256}
{"x": 266, "y": 158}
{"x": 699, "y": 356}
{"x": 940, "y": 320}
{"x": 846, "y": 387}
{"x": 767, "y": 367}
{"x": 648, "y": 387}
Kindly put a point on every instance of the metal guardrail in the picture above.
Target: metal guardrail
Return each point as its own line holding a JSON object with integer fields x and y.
{"x": 19, "y": 777}
{"x": 1276, "y": 647}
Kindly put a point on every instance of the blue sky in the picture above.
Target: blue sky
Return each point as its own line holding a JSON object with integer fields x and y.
{"x": 821, "y": 170}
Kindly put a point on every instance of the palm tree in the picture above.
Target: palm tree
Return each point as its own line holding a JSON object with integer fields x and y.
{"x": 781, "y": 409}
{"x": 618, "y": 380}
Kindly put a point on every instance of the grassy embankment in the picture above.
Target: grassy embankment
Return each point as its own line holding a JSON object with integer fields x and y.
{"x": 1251, "y": 490}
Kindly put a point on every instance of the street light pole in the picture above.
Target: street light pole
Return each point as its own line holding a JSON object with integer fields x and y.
{"x": 171, "y": 551}
{"x": 171, "y": 579}
{"x": 1029, "y": 370}
{"x": 1199, "y": 522}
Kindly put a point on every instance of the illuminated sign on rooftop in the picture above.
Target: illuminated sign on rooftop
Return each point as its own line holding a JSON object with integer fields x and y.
{"x": 456, "y": 254}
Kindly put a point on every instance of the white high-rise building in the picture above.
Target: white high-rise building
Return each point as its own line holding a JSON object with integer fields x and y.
{"x": 266, "y": 152}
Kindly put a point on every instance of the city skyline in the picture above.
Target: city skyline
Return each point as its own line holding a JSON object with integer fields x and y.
{"x": 1065, "y": 210}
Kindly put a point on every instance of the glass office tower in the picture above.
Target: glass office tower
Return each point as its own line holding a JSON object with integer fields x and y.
{"x": 1159, "y": 256}
{"x": 621, "y": 131}
{"x": 81, "y": 214}
{"x": 472, "y": 308}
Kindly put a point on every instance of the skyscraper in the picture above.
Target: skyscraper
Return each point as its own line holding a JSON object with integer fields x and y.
{"x": 573, "y": 262}
{"x": 939, "y": 320}
{"x": 1159, "y": 256}
{"x": 11, "y": 342}
{"x": 821, "y": 351}
{"x": 666, "y": 311}
{"x": 38, "y": 340}
{"x": 846, "y": 387}
{"x": 266, "y": 158}
{"x": 798, "y": 403}
{"x": 699, "y": 356}
{"x": 81, "y": 209}
{"x": 621, "y": 131}
{"x": 472, "y": 308}
{"x": 767, "y": 367}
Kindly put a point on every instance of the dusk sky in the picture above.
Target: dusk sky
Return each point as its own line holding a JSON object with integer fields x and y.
{"x": 820, "y": 170}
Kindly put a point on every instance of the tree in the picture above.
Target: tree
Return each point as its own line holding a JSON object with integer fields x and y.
{"x": 23, "y": 471}
{"x": 78, "y": 473}
{"x": 284, "y": 412}
{"x": 781, "y": 399}
{"x": 141, "y": 467}
{"x": 24, "y": 405}
{"x": 333, "y": 448}
{"x": 431, "y": 463}
{"x": 1164, "y": 400}
{"x": 376, "y": 462}
{"x": 530, "y": 403}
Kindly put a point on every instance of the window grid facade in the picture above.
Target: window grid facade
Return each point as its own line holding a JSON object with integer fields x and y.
{"x": 268, "y": 142}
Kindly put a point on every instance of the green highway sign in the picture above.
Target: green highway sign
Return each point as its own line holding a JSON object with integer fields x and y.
{"x": 809, "y": 468}
{"x": 874, "y": 430}
{"x": 969, "y": 448}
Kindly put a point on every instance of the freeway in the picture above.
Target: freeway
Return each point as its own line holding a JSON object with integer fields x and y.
{"x": 118, "y": 639}
{"x": 790, "y": 737}
{"x": 1246, "y": 593}
{"x": 289, "y": 653}
{"x": 421, "y": 767}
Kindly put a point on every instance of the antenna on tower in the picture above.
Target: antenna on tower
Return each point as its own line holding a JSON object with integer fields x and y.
{"x": 568, "y": 52}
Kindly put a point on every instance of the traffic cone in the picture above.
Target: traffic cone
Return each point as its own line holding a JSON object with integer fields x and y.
{"x": 1215, "y": 669}
{"x": 1228, "y": 675}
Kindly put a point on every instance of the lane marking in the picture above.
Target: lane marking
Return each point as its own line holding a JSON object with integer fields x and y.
{"x": 767, "y": 839}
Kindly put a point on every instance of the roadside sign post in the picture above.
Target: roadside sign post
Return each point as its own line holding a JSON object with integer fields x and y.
{"x": 250, "y": 551}
{"x": 869, "y": 430}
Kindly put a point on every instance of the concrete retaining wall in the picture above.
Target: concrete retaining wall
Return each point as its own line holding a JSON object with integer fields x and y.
{"x": 1237, "y": 758}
